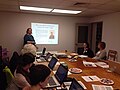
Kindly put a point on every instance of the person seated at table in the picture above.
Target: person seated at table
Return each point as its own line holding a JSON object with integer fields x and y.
{"x": 21, "y": 74}
{"x": 39, "y": 77}
{"x": 101, "y": 54}
{"x": 29, "y": 48}
{"x": 87, "y": 51}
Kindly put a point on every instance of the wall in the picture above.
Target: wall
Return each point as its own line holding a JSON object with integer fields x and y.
{"x": 111, "y": 30}
{"x": 13, "y": 27}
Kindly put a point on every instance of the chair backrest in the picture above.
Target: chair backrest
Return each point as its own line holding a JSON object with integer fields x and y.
{"x": 0, "y": 55}
{"x": 9, "y": 74}
{"x": 14, "y": 61}
{"x": 112, "y": 55}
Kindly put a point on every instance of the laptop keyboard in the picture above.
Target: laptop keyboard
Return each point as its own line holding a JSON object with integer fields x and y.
{"x": 51, "y": 81}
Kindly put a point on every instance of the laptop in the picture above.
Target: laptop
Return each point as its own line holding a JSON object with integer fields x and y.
{"x": 114, "y": 66}
{"x": 40, "y": 59}
{"x": 75, "y": 85}
{"x": 52, "y": 62}
{"x": 43, "y": 52}
{"x": 59, "y": 77}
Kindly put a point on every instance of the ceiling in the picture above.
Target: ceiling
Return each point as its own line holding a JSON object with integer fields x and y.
{"x": 90, "y": 8}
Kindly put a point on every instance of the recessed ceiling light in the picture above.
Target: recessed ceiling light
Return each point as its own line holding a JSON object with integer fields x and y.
{"x": 66, "y": 11}
{"x": 35, "y": 9}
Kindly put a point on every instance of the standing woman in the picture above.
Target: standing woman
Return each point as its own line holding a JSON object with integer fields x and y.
{"x": 87, "y": 51}
{"x": 28, "y": 38}
{"x": 101, "y": 54}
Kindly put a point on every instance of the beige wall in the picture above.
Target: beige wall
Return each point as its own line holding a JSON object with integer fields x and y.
{"x": 111, "y": 30}
{"x": 13, "y": 27}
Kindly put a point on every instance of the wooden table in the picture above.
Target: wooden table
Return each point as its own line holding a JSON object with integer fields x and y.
{"x": 87, "y": 71}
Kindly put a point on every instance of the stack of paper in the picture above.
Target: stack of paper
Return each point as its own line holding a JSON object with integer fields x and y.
{"x": 91, "y": 78}
{"x": 89, "y": 64}
{"x": 102, "y": 87}
{"x": 102, "y": 64}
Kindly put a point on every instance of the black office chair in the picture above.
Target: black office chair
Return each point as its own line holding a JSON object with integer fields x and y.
{"x": 14, "y": 61}
{"x": 3, "y": 81}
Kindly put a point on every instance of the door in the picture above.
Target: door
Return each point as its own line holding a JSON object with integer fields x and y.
{"x": 96, "y": 28}
{"x": 83, "y": 34}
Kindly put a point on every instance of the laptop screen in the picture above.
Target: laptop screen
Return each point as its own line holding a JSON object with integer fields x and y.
{"x": 61, "y": 74}
{"x": 75, "y": 85}
{"x": 52, "y": 63}
{"x": 43, "y": 51}
{"x": 47, "y": 56}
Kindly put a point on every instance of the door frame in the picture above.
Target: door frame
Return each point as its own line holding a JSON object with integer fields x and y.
{"x": 79, "y": 45}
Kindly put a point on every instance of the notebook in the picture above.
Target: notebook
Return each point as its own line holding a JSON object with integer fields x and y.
{"x": 43, "y": 52}
{"x": 47, "y": 56}
{"x": 59, "y": 77}
{"x": 52, "y": 62}
{"x": 114, "y": 66}
{"x": 75, "y": 85}
{"x": 40, "y": 59}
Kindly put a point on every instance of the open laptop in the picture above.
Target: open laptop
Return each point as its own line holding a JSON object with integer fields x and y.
{"x": 75, "y": 85}
{"x": 59, "y": 77}
{"x": 40, "y": 59}
{"x": 43, "y": 52}
{"x": 52, "y": 62}
{"x": 114, "y": 66}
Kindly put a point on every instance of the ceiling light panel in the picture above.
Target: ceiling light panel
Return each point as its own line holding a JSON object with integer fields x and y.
{"x": 35, "y": 9}
{"x": 66, "y": 11}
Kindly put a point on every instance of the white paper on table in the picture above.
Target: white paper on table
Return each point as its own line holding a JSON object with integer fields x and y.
{"x": 101, "y": 87}
{"x": 89, "y": 64}
{"x": 62, "y": 62}
{"x": 91, "y": 78}
{"x": 102, "y": 64}
{"x": 60, "y": 53}
{"x": 82, "y": 56}
{"x": 69, "y": 73}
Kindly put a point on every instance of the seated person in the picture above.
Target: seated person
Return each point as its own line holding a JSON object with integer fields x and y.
{"x": 29, "y": 48}
{"x": 101, "y": 54}
{"x": 87, "y": 51}
{"x": 39, "y": 76}
{"x": 21, "y": 74}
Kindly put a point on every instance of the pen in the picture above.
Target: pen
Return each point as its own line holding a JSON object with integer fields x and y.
{"x": 90, "y": 78}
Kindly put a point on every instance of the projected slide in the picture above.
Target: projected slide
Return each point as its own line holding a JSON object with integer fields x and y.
{"x": 45, "y": 33}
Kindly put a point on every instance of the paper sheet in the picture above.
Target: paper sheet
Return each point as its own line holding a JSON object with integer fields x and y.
{"x": 102, "y": 87}
{"x": 89, "y": 64}
{"x": 102, "y": 64}
{"x": 91, "y": 78}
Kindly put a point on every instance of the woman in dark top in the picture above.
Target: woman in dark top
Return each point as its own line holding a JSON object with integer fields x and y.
{"x": 87, "y": 51}
{"x": 28, "y": 38}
